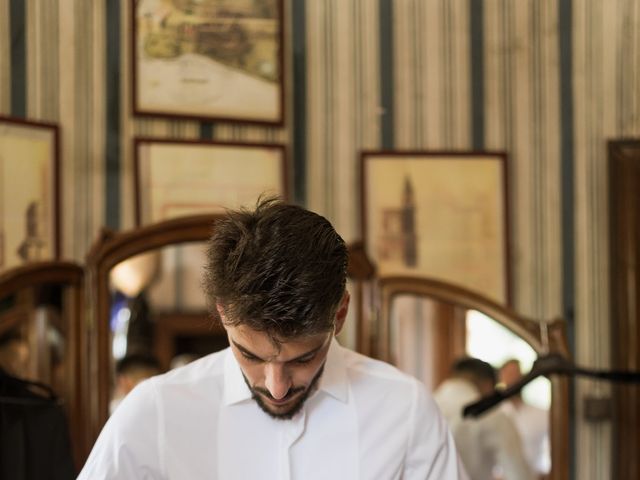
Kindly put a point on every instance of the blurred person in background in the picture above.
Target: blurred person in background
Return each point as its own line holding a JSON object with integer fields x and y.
{"x": 490, "y": 446}
{"x": 14, "y": 354}
{"x": 532, "y": 422}
{"x": 130, "y": 371}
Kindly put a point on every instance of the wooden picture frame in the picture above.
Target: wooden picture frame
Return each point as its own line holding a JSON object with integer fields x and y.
{"x": 29, "y": 192}
{"x": 176, "y": 178}
{"x": 438, "y": 214}
{"x": 208, "y": 60}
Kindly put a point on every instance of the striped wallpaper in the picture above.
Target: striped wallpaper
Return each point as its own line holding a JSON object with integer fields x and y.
{"x": 607, "y": 84}
{"x": 5, "y": 57}
{"x": 547, "y": 81}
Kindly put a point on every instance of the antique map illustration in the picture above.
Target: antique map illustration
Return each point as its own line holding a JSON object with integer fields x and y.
{"x": 217, "y": 58}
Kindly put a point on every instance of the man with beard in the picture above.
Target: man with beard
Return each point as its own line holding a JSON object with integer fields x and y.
{"x": 285, "y": 400}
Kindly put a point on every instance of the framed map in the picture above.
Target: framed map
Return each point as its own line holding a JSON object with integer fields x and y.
{"x": 29, "y": 192}
{"x": 438, "y": 214}
{"x": 177, "y": 178}
{"x": 208, "y": 59}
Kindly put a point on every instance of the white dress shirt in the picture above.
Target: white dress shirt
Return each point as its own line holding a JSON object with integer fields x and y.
{"x": 533, "y": 425}
{"x": 366, "y": 420}
{"x": 486, "y": 443}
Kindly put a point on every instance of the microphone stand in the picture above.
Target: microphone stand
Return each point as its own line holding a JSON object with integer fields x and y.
{"x": 552, "y": 363}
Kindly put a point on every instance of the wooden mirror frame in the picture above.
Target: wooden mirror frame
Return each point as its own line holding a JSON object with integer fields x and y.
{"x": 113, "y": 248}
{"x": 525, "y": 328}
{"x": 69, "y": 275}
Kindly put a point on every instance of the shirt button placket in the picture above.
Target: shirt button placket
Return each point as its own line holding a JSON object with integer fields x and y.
{"x": 292, "y": 431}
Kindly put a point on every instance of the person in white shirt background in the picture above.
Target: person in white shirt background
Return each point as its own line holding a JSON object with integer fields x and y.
{"x": 490, "y": 446}
{"x": 285, "y": 400}
{"x": 532, "y": 422}
{"x": 130, "y": 371}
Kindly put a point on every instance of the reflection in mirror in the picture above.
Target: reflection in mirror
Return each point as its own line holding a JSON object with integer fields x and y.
{"x": 510, "y": 355}
{"x": 349, "y": 333}
{"x": 427, "y": 335}
{"x": 33, "y": 336}
{"x": 158, "y": 315}
{"x": 39, "y": 344}
{"x": 493, "y": 343}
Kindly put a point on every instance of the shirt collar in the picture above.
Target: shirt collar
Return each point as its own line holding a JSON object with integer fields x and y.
{"x": 235, "y": 388}
{"x": 333, "y": 380}
{"x": 334, "y": 377}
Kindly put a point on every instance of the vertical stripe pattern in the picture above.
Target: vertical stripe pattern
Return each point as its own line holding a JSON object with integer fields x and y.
{"x": 112, "y": 151}
{"x": 432, "y": 67}
{"x": 5, "y": 58}
{"x": 522, "y": 117}
{"x": 299, "y": 128}
{"x": 477, "y": 73}
{"x": 17, "y": 29}
{"x": 344, "y": 106}
{"x": 605, "y": 72}
{"x": 568, "y": 189}
{"x": 386, "y": 73}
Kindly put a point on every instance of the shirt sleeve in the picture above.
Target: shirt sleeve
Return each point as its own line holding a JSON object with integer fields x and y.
{"x": 431, "y": 451}
{"x": 128, "y": 446}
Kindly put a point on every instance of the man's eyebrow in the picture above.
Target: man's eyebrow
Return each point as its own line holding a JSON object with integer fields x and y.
{"x": 310, "y": 353}
{"x": 244, "y": 350}
{"x": 249, "y": 353}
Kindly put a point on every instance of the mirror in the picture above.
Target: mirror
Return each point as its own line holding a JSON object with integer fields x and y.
{"x": 158, "y": 315}
{"x": 426, "y": 324}
{"x": 130, "y": 274}
{"x": 40, "y": 307}
{"x": 356, "y": 333}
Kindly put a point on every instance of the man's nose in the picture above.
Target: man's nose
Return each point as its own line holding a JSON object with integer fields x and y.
{"x": 277, "y": 381}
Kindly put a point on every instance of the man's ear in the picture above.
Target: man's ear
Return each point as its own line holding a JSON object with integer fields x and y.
{"x": 341, "y": 314}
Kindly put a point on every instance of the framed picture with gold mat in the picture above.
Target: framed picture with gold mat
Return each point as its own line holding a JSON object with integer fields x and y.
{"x": 208, "y": 59}
{"x": 29, "y": 192}
{"x": 176, "y": 178}
{"x": 442, "y": 215}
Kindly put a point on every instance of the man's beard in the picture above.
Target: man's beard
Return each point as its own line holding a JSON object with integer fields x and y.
{"x": 258, "y": 392}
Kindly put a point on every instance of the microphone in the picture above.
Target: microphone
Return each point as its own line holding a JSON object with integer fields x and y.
{"x": 546, "y": 365}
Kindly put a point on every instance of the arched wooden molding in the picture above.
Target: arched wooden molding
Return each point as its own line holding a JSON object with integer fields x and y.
{"x": 362, "y": 272}
{"x": 526, "y": 328}
{"x": 110, "y": 249}
{"x": 70, "y": 276}
{"x": 360, "y": 266}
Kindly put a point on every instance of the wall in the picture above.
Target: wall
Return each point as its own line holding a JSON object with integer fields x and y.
{"x": 547, "y": 81}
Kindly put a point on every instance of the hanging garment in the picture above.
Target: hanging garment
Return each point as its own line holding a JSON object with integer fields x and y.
{"x": 34, "y": 439}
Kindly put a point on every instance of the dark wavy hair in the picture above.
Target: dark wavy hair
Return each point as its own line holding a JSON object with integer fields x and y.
{"x": 476, "y": 368}
{"x": 279, "y": 269}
